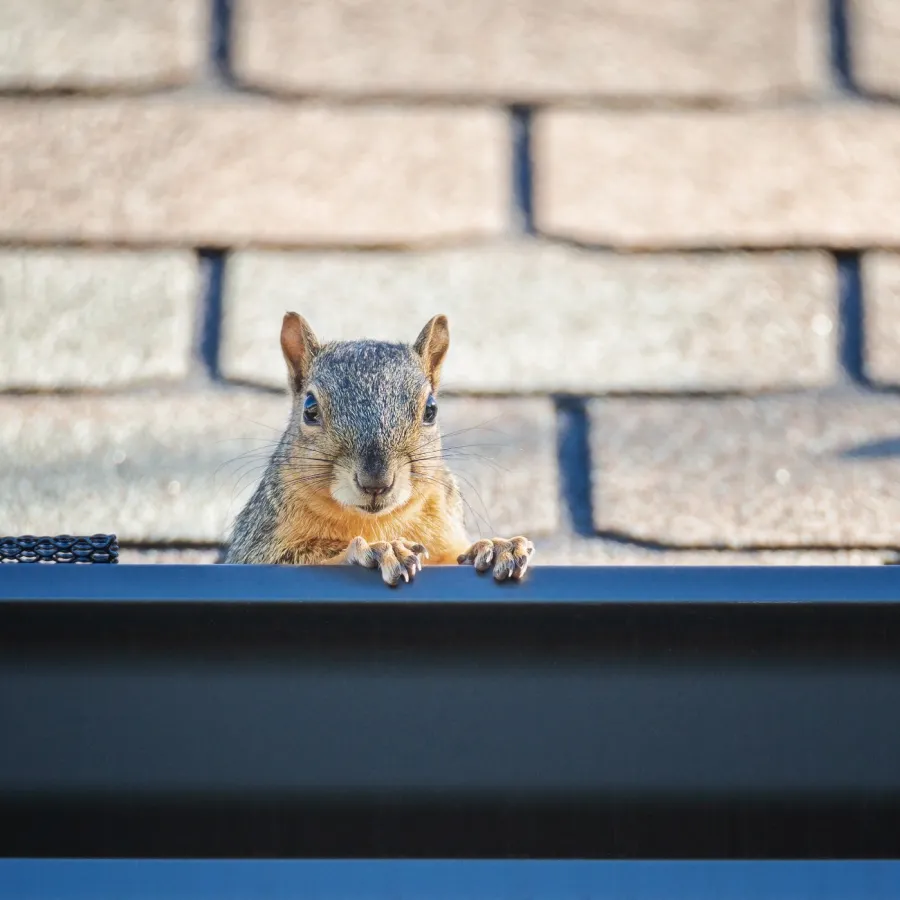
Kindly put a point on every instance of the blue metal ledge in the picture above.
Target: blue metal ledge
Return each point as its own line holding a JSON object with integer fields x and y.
{"x": 445, "y": 880}
{"x": 452, "y": 584}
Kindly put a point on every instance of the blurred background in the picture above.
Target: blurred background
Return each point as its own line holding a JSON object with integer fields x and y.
{"x": 664, "y": 232}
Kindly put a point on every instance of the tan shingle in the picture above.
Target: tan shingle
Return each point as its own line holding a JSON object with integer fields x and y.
{"x": 99, "y": 45}
{"x": 221, "y": 172}
{"x": 820, "y": 177}
{"x": 874, "y": 27}
{"x": 527, "y": 50}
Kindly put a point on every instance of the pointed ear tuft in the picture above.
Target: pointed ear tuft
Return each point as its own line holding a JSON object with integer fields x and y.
{"x": 431, "y": 345}
{"x": 299, "y": 345}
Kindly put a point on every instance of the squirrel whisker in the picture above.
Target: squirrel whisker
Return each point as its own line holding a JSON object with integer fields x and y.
{"x": 454, "y": 454}
{"x": 240, "y": 461}
{"x": 484, "y": 424}
{"x": 445, "y": 483}
{"x": 278, "y": 431}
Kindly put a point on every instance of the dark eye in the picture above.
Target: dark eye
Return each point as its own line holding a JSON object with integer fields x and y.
{"x": 311, "y": 410}
{"x": 430, "y": 413}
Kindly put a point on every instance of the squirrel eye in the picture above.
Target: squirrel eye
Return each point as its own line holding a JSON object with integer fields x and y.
{"x": 430, "y": 413}
{"x": 310, "y": 410}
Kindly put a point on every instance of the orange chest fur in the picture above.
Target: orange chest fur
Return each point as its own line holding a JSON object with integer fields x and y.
{"x": 425, "y": 521}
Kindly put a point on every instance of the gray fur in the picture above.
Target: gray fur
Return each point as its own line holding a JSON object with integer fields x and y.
{"x": 370, "y": 394}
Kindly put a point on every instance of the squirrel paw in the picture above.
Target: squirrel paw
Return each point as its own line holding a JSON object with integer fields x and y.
{"x": 396, "y": 559}
{"x": 509, "y": 558}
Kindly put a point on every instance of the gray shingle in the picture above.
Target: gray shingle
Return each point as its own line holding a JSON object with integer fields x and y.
{"x": 176, "y": 467}
{"x": 791, "y": 471}
{"x": 538, "y": 317}
{"x": 77, "y": 318}
{"x": 881, "y": 293}
{"x": 566, "y": 550}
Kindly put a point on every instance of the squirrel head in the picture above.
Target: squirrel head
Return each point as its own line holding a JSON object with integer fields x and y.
{"x": 364, "y": 429}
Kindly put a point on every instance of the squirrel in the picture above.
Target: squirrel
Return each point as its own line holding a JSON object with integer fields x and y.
{"x": 358, "y": 477}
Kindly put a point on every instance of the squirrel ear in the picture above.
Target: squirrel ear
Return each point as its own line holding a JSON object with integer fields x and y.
{"x": 299, "y": 346}
{"x": 431, "y": 345}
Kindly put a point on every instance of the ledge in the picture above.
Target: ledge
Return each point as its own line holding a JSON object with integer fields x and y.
{"x": 219, "y": 584}
{"x": 447, "y": 880}
{"x": 241, "y": 711}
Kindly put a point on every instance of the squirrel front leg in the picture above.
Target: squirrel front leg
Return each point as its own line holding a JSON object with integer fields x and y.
{"x": 396, "y": 559}
{"x": 508, "y": 557}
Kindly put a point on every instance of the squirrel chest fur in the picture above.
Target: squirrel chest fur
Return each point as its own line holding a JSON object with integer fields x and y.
{"x": 358, "y": 476}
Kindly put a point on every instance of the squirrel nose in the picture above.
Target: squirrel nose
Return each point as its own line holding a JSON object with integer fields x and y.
{"x": 375, "y": 486}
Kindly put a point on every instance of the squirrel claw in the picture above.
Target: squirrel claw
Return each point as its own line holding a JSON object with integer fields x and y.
{"x": 396, "y": 559}
{"x": 508, "y": 558}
